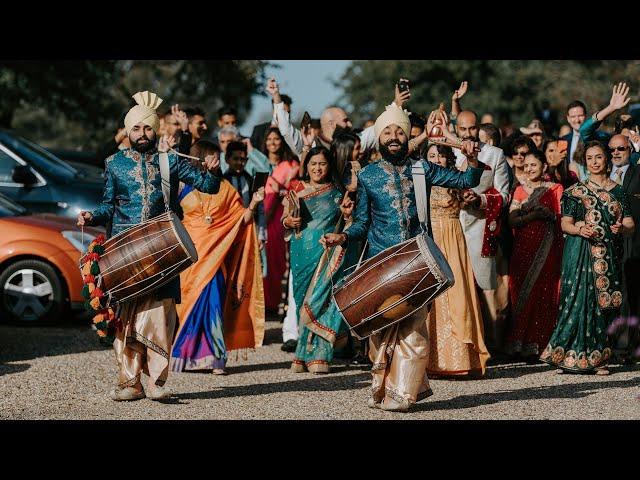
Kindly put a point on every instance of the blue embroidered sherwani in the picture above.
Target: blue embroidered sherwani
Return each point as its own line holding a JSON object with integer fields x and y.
{"x": 133, "y": 194}
{"x": 386, "y": 210}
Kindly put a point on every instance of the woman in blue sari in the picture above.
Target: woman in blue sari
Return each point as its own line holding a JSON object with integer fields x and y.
{"x": 595, "y": 215}
{"x": 317, "y": 206}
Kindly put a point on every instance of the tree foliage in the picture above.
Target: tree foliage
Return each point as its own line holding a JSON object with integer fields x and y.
{"x": 77, "y": 104}
{"x": 509, "y": 89}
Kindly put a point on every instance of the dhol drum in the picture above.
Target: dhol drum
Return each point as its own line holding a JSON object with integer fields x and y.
{"x": 145, "y": 257}
{"x": 392, "y": 285}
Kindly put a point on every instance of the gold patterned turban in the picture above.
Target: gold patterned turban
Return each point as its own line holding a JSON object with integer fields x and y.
{"x": 144, "y": 111}
{"x": 393, "y": 115}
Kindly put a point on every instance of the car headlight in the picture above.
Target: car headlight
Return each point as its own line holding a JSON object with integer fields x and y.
{"x": 75, "y": 238}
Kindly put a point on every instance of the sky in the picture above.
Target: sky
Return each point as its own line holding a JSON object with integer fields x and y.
{"x": 307, "y": 82}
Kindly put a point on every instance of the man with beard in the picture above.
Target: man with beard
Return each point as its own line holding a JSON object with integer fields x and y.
{"x": 386, "y": 214}
{"x": 133, "y": 194}
{"x": 481, "y": 217}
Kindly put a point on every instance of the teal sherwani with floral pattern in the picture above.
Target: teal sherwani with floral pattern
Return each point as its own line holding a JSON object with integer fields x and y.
{"x": 386, "y": 211}
{"x": 133, "y": 194}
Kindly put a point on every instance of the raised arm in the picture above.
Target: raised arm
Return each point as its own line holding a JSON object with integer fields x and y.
{"x": 619, "y": 99}
{"x": 289, "y": 132}
{"x": 455, "y": 100}
{"x": 445, "y": 177}
{"x": 206, "y": 182}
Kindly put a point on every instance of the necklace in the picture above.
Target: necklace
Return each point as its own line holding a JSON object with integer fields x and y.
{"x": 207, "y": 218}
{"x": 603, "y": 186}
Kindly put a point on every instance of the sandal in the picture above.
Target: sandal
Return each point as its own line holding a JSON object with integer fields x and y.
{"x": 602, "y": 371}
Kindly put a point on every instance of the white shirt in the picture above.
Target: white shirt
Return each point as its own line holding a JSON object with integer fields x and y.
{"x": 293, "y": 137}
{"x": 574, "y": 144}
{"x": 614, "y": 174}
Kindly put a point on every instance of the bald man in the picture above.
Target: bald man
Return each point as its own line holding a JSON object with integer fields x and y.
{"x": 488, "y": 200}
{"x": 132, "y": 195}
{"x": 331, "y": 118}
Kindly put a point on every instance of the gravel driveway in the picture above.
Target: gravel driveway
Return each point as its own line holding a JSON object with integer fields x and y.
{"x": 63, "y": 373}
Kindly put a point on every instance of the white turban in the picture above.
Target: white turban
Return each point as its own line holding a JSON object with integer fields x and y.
{"x": 144, "y": 112}
{"x": 393, "y": 115}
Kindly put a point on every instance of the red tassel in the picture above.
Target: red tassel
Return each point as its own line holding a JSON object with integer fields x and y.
{"x": 89, "y": 279}
{"x": 100, "y": 239}
{"x": 97, "y": 293}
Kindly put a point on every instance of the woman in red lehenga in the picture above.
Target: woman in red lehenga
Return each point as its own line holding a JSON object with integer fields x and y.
{"x": 285, "y": 169}
{"x": 534, "y": 274}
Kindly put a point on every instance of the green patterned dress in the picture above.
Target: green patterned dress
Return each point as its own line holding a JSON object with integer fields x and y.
{"x": 591, "y": 284}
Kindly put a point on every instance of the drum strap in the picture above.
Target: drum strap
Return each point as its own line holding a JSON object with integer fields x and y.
{"x": 166, "y": 184}
{"x": 420, "y": 190}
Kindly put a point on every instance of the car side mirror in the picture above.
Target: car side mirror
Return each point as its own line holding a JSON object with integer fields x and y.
{"x": 23, "y": 174}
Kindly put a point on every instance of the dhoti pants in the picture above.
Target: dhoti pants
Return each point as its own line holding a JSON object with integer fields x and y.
{"x": 143, "y": 343}
{"x": 400, "y": 355}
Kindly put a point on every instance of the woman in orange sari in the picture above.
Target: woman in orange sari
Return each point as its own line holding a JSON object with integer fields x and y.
{"x": 222, "y": 305}
{"x": 285, "y": 169}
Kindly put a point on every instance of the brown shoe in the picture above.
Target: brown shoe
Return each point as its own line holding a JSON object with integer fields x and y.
{"x": 127, "y": 394}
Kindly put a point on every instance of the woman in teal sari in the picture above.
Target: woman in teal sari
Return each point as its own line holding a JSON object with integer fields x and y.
{"x": 317, "y": 205}
{"x": 595, "y": 215}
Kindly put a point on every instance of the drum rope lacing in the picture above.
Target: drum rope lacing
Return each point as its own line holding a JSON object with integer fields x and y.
{"x": 152, "y": 234}
{"x": 412, "y": 293}
{"x": 137, "y": 260}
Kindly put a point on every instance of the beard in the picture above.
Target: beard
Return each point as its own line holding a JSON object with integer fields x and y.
{"x": 143, "y": 147}
{"x": 397, "y": 158}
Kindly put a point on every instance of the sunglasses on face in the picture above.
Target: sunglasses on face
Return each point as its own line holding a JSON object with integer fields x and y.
{"x": 535, "y": 134}
{"x": 619, "y": 149}
{"x": 520, "y": 154}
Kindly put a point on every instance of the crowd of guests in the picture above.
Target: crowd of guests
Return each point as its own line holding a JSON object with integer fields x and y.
{"x": 543, "y": 250}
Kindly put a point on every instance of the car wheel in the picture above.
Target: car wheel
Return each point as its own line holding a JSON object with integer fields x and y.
{"x": 32, "y": 293}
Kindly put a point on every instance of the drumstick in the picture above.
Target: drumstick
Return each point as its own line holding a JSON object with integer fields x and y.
{"x": 446, "y": 143}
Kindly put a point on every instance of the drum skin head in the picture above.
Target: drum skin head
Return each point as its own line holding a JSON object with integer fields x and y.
{"x": 184, "y": 237}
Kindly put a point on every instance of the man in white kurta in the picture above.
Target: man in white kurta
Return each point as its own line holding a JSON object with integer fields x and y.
{"x": 490, "y": 272}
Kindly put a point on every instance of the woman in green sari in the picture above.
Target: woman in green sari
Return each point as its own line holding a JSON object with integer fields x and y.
{"x": 317, "y": 205}
{"x": 595, "y": 215}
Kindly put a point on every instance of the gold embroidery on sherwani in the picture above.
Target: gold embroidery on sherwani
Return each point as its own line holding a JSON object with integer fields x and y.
{"x": 400, "y": 197}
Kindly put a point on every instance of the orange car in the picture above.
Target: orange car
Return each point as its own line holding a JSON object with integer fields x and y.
{"x": 39, "y": 275}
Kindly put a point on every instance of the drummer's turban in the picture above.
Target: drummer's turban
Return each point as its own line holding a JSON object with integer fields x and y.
{"x": 144, "y": 111}
{"x": 393, "y": 115}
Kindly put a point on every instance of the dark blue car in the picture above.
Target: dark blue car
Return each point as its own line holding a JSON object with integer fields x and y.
{"x": 42, "y": 182}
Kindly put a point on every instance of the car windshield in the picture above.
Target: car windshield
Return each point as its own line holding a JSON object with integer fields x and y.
{"x": 9, "y": 208}
{"x": 40, "y": 159}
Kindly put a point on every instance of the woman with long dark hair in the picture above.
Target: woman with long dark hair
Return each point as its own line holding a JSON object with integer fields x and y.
{"x": 595, "y": 216}
{"x": 557, "y": 170}
{"x": 317, "y": 207}
{"x": 285, "y": 168}
{"x": 455, "y": 319}
{"x": 534, "y": 274}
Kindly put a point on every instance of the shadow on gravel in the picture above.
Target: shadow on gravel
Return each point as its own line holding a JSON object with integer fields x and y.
{"x": 7, "y": 369}
{"x": 307, "y": 383}
{"x": 29, "y": 342}
{"x": 573, "y": 390}
{"x": 515, "y": 371}
{"x": 259, "y": 367}
{"x": 272, "y": 335}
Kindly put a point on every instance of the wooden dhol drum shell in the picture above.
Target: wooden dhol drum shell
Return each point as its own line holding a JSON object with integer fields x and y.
{"x": 145, "y": 257}
{"x": 392, "y": 285}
